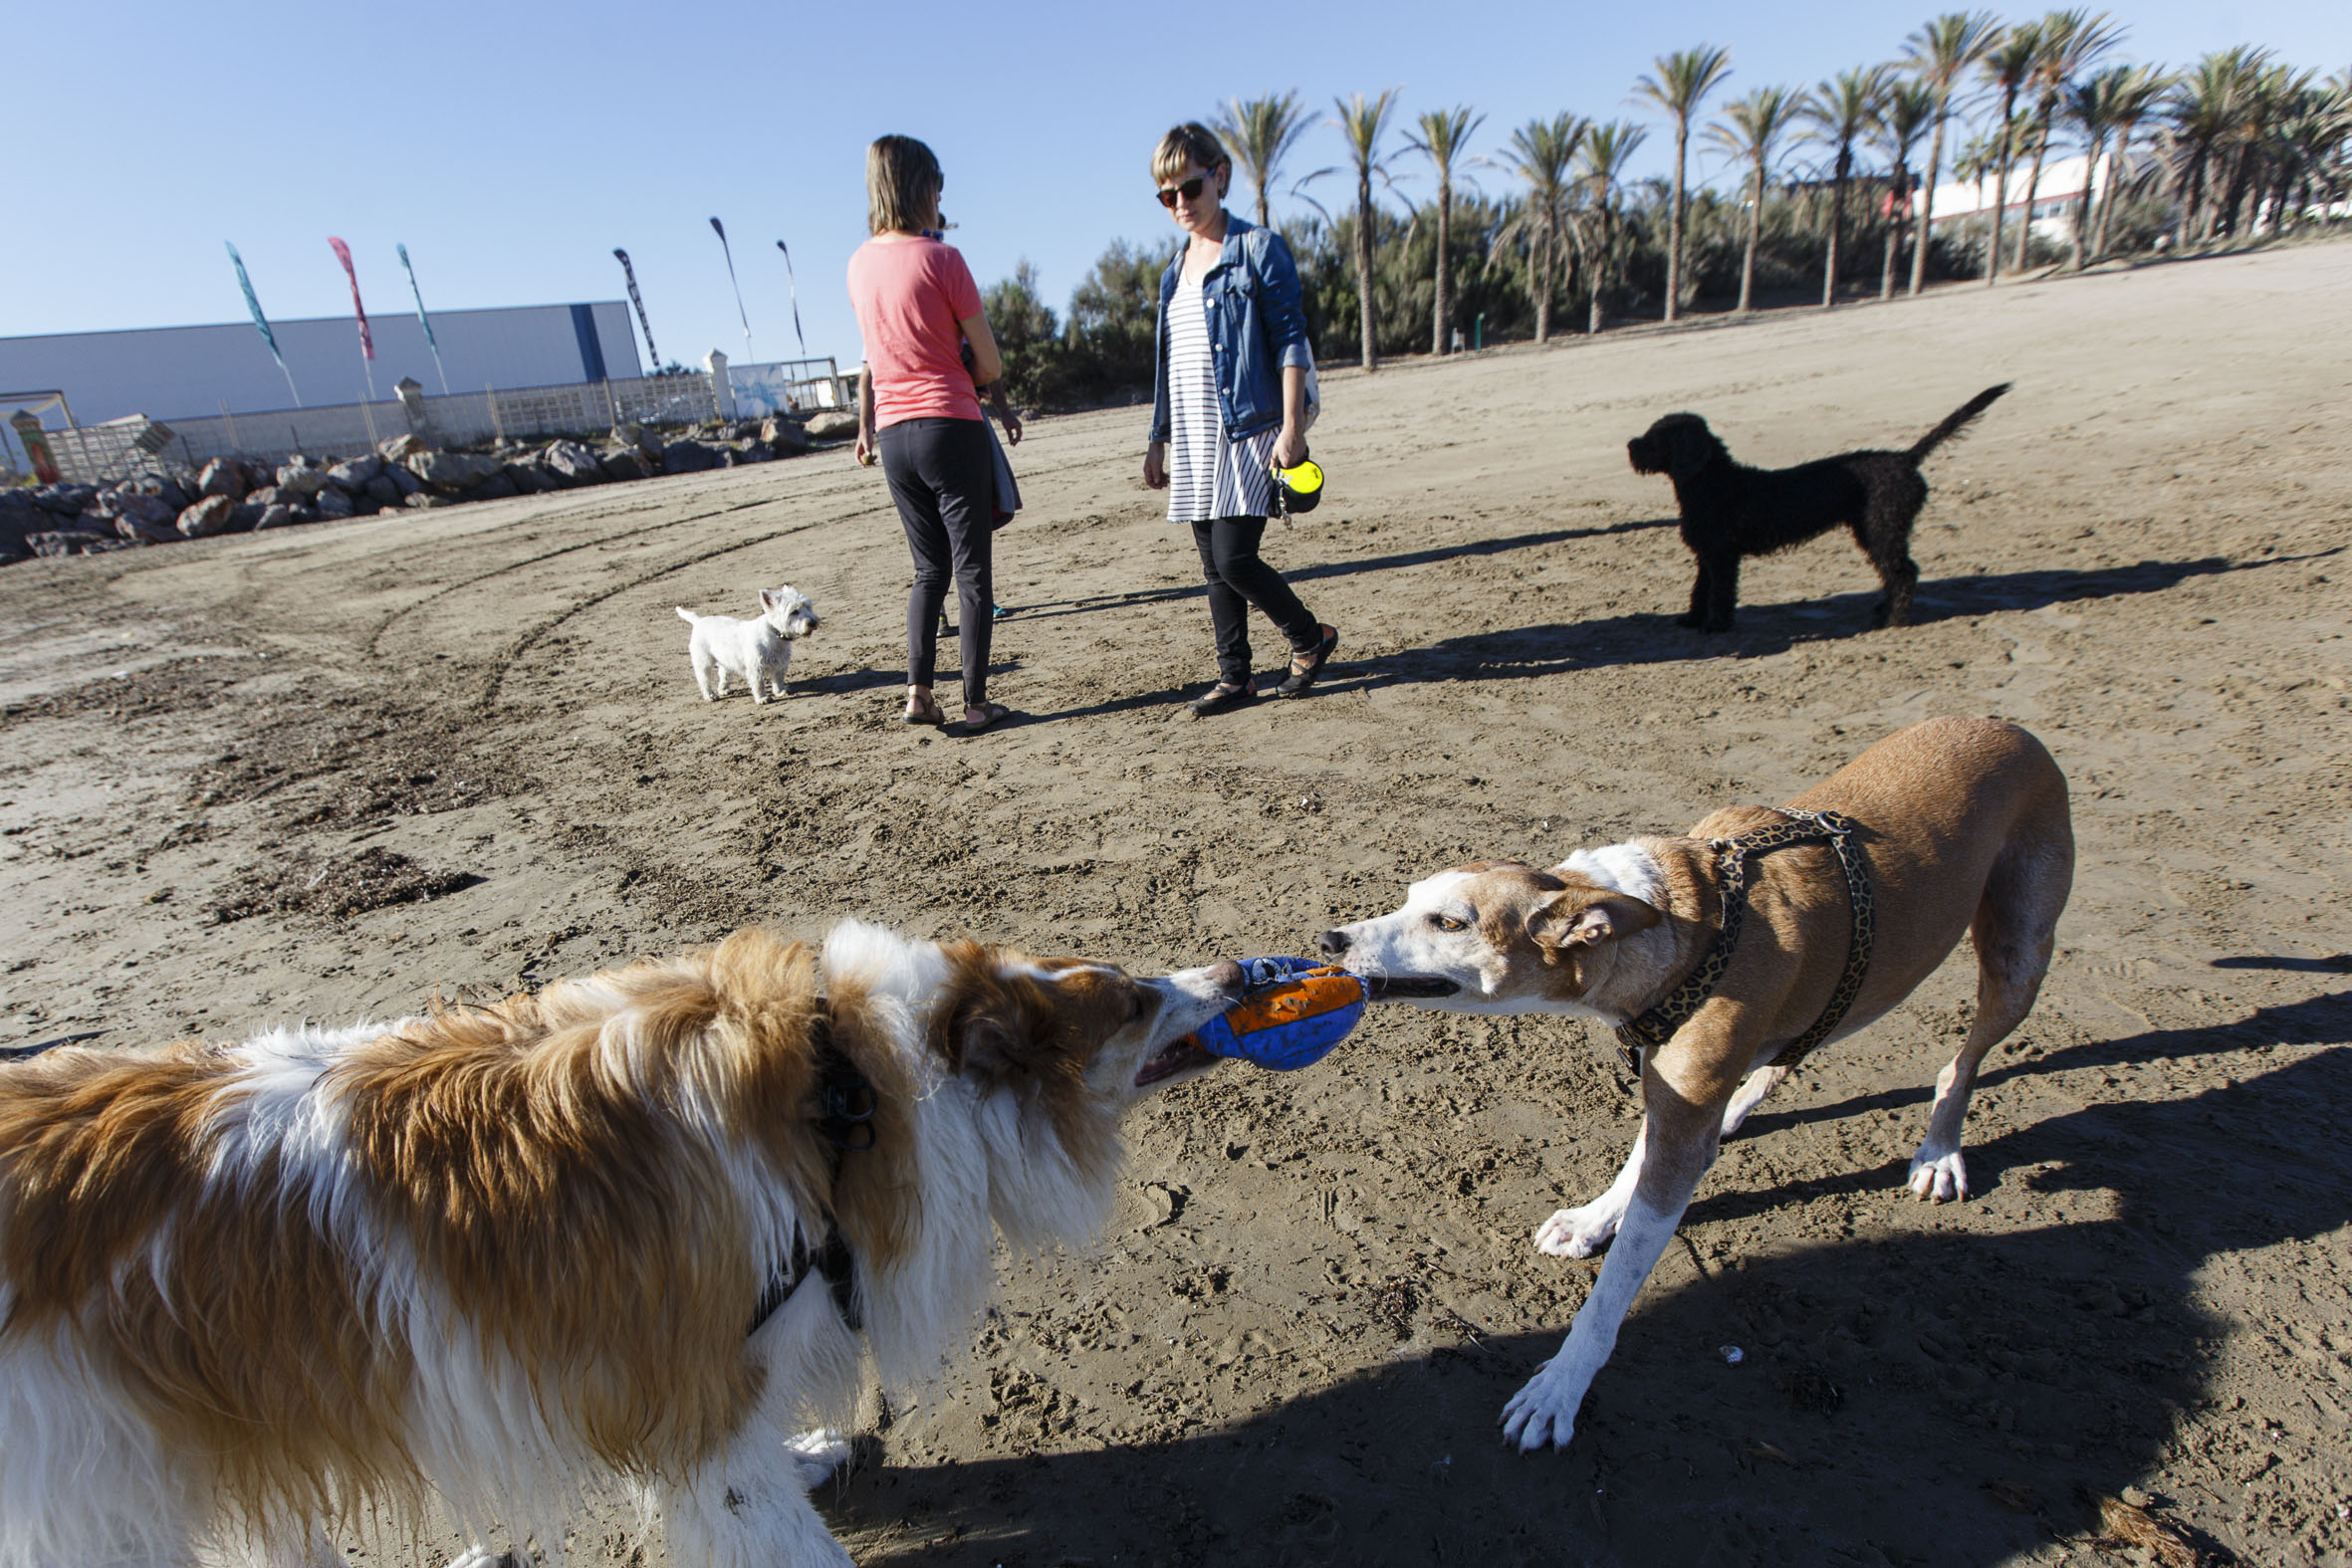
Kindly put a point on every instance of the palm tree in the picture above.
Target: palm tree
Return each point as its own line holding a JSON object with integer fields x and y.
{"x": 2007, "y": 66}
{"x": 1361, "y": 122}
{"x": 1444, "y": 133}
{"x": 1539, "y": 153}
{"x": 1903, "y": 112}
{"x": 1607, "y": 147}
{"x": 1842, "y": 110}
{"x": 2208, "y": 106}
{"x": 1940, "y": 53}
{"x": 2071, "y": 42}
{"x": 1752, "y": 129}
{"x": 1260, "y": 132}
{"x": 1683, "y": 79}
{"x": 2136, "y": 97}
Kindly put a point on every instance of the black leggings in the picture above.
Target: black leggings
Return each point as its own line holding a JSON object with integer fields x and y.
{"x": 1238, "y": 579}
{"x": 941, "y": 476}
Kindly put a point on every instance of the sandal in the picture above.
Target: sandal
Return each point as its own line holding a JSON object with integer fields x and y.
{"x": 922, "y": 710}
{"x": 1305, "y": 667}
{"x": 990, "y": 715}
{"x": 1224, "y": 697}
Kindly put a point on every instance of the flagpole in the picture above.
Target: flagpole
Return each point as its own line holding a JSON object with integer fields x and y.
{"x": 424, "y": 319}
{"x": 793, "y": 284}
{"x": 721, "y": 230}
{"x": 639, "y": 300}
{"x": 261, "y": 323}
{"x": 342, "y": 253}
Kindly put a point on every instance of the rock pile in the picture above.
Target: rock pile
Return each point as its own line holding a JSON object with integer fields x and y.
{"x": 236, "y": 495}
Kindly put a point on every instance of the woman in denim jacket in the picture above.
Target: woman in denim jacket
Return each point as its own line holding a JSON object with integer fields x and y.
{"x": 1229, "y": 405}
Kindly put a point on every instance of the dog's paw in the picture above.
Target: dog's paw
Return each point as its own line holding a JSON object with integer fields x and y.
{"x": 1938, "y": 1178}
{"x": 1580, "y": 1233}
{"x": 816, "y": 1454}
{"x": 1540, "y": 1414}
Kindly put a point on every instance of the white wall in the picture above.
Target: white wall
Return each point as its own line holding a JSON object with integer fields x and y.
{"x": 190, "y": 371}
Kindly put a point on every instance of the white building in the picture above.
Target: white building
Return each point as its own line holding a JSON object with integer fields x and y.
{"x": 2055, "y": 198}
{"x": 169, "y": 372}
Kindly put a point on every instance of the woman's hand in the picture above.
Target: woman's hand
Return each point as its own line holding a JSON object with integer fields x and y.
{"x": 1155, "y": 466}
{"x": 1290, "y": 448}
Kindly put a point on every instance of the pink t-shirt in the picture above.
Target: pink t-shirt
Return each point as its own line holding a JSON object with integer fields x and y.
{"x": 909, "y": 296}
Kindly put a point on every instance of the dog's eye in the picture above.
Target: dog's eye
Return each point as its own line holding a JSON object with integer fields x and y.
{"x": 1449, "y": 923}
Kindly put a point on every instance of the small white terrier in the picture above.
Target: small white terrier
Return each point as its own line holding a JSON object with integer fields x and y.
{"x": 758, "y": 651}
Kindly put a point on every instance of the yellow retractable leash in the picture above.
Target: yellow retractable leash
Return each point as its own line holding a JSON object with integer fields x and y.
{"x": 1298, "y": 489}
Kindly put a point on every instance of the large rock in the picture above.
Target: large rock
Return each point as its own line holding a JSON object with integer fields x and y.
{"x": 300, "y": 479}
{"x": 335, "y": 502}
{"x": 65, "y": 501}
{"x": 528, "y": 478}
{"x": 69, "y": 542}
{"x": 222, "y": 477}
{"x": 141, "y": 531}
{"x": 130, "y": 504}
{"x": 425, "y": 501}
{"x": 836, "y": 424}
{"x": 627, "y": 433}
{"x": 626, "y": 463}
{"x": 452, "y": 471}
{"x": 165, "y": 488}
{"x": 382, "y": 491}
{"x": 782, "y": 436}
{"x": 496, "y": 488}
{"x": 355, "y": 475}
{"x": 247, "y": 517}
{"x": 398, "y": 449}
{"x": 573, "y": 464}
{"x": 277, "y": 516}
{"x": 207, "y": 517}
{"x": 688, "y": 457}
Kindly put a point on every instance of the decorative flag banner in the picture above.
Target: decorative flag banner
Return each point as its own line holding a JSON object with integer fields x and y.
{"x": 721, "y": 230}
{"x": 342, "y": 253}
{"x": 424, "y": 319}
{"x": 262, "y": 323}
{"x": 631, "y": 273}
{"x": 794, "y": 285}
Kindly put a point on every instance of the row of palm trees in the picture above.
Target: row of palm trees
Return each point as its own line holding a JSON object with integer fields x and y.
{"x": 2238, "y": 137}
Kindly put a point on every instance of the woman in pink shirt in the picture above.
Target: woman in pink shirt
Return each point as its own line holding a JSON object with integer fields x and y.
{"x": 917, "y": 407}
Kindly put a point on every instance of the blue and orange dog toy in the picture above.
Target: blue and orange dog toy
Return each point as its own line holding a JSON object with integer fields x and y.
{"x": 1296, "y": 1010}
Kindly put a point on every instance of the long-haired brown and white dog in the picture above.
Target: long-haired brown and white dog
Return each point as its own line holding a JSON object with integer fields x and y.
{"x": 255, "y": 1294}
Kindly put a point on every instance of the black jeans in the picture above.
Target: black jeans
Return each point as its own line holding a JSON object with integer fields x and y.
{"x": 1238, "y": 579}
{"x": 941, "y": 476}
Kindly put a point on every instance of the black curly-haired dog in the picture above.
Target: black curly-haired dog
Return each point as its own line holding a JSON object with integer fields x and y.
{"x": 1730, "y": 510}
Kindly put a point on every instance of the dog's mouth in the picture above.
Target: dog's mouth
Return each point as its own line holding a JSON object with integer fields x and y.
{"x": 1405, "y": 988}
{"x": 1183, "y": 1055}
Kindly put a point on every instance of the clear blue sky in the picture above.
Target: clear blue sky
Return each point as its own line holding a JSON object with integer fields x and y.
{"x": 513, "y": 146}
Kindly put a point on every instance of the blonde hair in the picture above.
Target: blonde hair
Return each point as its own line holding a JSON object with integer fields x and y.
{"x": 902, "y": 182}
{"x": 1191, "y": 142}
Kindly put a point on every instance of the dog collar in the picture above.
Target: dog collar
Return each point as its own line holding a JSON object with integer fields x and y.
{"x": 1732, "y": 855}
{"x": 846, "y": 1098}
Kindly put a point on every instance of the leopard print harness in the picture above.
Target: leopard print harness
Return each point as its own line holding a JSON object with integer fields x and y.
{"x": 1732, "y": 859}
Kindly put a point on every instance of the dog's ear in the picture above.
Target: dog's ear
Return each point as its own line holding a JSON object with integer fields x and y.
{"x": 1581, "y": 917}
{"x": 769, "y": 599}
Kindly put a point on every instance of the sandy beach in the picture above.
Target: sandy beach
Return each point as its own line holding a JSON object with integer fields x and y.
{"x": 227, "y": 767}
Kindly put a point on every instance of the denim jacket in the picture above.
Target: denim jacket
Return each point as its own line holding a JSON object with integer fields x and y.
{"x": 1256, "y": 328}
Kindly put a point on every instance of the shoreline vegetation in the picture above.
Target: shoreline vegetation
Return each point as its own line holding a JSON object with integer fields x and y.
{"x": 1826, "y": 200}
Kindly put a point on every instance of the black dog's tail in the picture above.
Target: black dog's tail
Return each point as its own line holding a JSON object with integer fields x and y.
{"x": 1959, "y": 420}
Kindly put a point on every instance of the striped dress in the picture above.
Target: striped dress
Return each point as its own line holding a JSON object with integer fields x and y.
{"x": 1208, "y": 476}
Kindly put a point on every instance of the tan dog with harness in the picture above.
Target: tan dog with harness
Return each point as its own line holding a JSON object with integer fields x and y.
{"x": 1723, "y": 957}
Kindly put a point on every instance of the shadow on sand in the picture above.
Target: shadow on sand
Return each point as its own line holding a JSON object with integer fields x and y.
{"x": 1929, "y": 1396}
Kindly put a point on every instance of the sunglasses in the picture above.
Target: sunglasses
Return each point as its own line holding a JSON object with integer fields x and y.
{"x": 1189, "y": 189}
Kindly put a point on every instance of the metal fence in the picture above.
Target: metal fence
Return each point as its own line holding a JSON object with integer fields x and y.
{"x": 99, "y": 453}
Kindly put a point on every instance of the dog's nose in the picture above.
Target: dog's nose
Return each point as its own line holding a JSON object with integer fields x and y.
{"x": 1226, "y": 975}
{"x": 1331, "y": 944}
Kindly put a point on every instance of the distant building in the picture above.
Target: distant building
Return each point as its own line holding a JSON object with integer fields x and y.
{"x": 169, "y": 372}
{"x": 2055, "y": 198}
